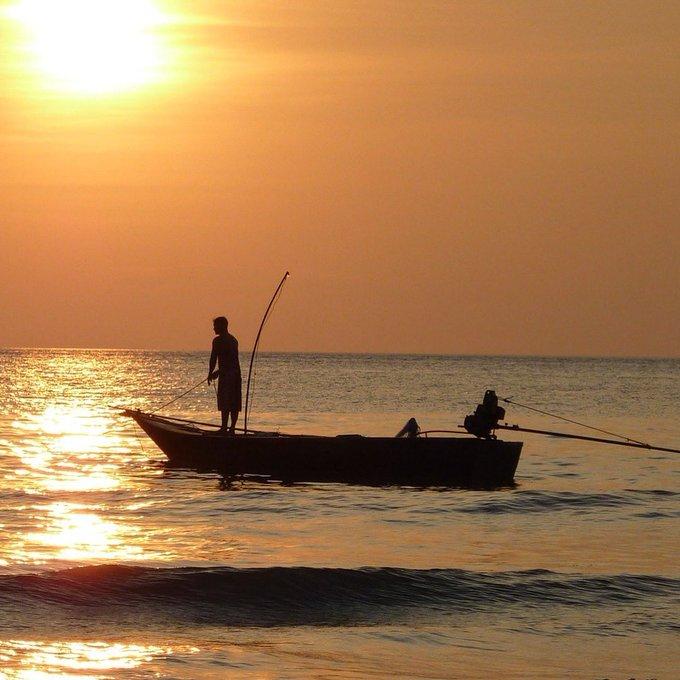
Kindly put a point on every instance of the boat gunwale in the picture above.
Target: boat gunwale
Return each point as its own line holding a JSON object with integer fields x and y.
{"x": 420, "y": 462}
{"x": 186, "y": 426}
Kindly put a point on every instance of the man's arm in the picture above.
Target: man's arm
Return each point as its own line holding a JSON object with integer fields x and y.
{"x": 211, "y": 365}
{"x": 237, "y": 364}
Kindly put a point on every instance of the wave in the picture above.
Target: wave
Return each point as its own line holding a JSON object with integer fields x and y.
{"x": 552, "y": 501}
{"x": 310, "y": 596}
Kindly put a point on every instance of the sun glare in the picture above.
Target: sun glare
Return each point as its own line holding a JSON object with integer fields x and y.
{"x": 53, "y": 660}
{"x": 93, "y": 46}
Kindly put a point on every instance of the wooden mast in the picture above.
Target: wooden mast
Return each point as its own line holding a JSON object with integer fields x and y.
{"x": 255, "y": 346}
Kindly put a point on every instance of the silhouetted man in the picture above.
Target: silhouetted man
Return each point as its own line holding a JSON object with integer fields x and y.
{"x": 225, "y": 355}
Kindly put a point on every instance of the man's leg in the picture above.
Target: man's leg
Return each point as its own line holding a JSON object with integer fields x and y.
{"x": 234, "y": 418}
{"x": 225, "y": 420}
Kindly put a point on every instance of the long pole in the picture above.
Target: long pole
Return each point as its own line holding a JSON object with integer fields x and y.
{"x": 255, "y": 346}
{"x": 565, "y": 435}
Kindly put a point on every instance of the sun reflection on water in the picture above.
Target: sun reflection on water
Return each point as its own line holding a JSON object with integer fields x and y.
{"x": 77, "y": 535}
{"x": 66, "y": 451}
{"x": 33, "y": 660}
{"x": 71, "y": 460}
{"x": 73, "y": 532}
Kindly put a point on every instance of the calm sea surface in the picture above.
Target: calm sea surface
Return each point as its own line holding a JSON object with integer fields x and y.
{"x": 112, "y": 566}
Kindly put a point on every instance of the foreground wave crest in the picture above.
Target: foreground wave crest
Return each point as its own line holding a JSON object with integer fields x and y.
{"x": 310, "y": 596}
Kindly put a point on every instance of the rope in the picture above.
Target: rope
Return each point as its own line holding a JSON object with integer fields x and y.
{"x": 139, "y": 441}
{"x": 456, "y": 432}
{"x": 508, "y": 400}
{"x": 184, "y": 394}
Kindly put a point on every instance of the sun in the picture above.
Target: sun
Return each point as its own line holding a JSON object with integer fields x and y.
{"x": 92, "y": 46}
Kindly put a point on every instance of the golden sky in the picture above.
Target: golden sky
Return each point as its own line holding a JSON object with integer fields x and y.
{"x": 494, "y": 176}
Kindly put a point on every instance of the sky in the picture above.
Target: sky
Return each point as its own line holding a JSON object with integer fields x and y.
{"x": 482, "y": 177}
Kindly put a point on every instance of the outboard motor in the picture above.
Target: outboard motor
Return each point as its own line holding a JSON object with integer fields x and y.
{"x": 483, "y": 421}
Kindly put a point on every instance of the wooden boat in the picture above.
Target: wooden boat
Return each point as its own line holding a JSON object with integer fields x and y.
{"x": 413, "y": 460}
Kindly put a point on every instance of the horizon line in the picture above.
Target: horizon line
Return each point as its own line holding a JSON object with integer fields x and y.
{"x": 359, "y": 353}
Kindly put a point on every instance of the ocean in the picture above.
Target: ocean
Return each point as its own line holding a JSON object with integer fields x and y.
{"x": 113, "y": 565}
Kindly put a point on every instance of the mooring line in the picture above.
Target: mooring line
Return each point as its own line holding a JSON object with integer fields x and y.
{"x": 508, "y": 400}
{"x": 184, "y": 394}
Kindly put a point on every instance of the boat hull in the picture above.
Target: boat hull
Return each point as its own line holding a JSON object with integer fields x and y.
{"x": 353, "y": 459}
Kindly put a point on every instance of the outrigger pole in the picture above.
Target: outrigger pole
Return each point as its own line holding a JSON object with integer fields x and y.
{"x": 255, "y": 346}
{"x": 485, "y": 420}
{"x": 566, "y": 435}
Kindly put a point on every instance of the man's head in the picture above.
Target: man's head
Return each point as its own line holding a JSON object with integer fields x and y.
{"x": 220, "y": 324}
